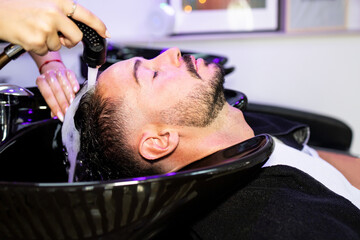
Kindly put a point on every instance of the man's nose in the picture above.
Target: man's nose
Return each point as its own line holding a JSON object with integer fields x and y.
{"x": 170, "y": 56}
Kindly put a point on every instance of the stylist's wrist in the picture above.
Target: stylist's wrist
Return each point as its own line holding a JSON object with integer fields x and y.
{"x": 54, "y": 64}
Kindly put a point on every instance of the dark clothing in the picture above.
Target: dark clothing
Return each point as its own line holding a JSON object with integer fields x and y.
{"x": 293, "y": 134}
{"x": 281, "y": 203}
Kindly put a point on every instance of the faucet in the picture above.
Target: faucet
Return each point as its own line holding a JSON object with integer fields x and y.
{"x": 9, "y": 100}
{"x": 11, "y": 52}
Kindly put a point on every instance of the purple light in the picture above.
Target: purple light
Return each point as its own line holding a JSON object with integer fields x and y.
{"x": 164, "y": 50}
{"x": 139, "y": 178}
{"x": 171, "y": 174}
{"x": 29, "y": 120}
{"x": 216, "y": 60}
{"x": 30, "y": 111}
{"x": 153, "y": 176}
{"x": 110, "y": 47}
{"x": 11, "y": 90}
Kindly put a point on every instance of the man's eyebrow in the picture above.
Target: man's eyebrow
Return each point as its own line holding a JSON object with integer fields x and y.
{"x": 136, "y": 67}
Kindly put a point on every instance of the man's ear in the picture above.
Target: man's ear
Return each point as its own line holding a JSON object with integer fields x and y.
{"x": 154, "y": 145}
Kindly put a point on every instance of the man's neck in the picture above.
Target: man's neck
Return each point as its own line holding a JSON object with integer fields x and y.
{"x": 228, "y": 128}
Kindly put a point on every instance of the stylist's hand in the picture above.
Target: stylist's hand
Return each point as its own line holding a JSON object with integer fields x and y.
{"x": 58, "y": 86}
{"x": 35, "y": 24}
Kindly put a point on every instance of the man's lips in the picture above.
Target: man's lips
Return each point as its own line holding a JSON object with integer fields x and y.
{"x": 199, "y": 63}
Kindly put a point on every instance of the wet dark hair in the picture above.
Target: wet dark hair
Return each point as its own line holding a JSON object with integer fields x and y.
{"x": 104, "y": 151}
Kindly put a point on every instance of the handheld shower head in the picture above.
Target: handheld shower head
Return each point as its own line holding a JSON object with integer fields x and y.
{"x": 94, "y": 53}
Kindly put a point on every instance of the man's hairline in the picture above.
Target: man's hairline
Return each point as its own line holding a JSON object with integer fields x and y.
{"x": 121, "y": 110}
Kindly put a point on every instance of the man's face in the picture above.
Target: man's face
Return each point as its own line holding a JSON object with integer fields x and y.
{"x": 167, "y": 89}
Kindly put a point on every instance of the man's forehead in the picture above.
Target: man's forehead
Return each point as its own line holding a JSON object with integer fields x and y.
{"x": 117, "y": 68}
{"x": 116, "y": 77}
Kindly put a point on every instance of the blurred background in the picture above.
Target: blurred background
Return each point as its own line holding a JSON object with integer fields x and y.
{"x": 299, "y": 54}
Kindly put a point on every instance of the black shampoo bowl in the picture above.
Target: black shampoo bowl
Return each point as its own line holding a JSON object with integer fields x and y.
{"x": 37, "y": 203}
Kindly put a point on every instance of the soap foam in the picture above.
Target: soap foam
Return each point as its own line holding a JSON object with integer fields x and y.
{"x": 70, "y": 135}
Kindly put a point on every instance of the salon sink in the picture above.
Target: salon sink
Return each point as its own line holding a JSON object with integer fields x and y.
{"x": 37, "y": 202}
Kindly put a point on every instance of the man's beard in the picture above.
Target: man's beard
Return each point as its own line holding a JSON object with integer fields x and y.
{"x": 202, "y": 105}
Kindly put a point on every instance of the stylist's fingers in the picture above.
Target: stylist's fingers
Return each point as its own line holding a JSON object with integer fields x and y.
{"x": 49, "y": 96}
{"x": 85, "y": 16}
{"x": 58, "y": 92}
{"x": 65, "y": 85}
{"x": 36, "y": 45}
{"x": 53, "y": 42}
{"x": 73, "y": 81}
{"x": 70, "y": 32}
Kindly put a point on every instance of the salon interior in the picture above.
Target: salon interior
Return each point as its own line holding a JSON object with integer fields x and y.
{"x": 298, "y": 59}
